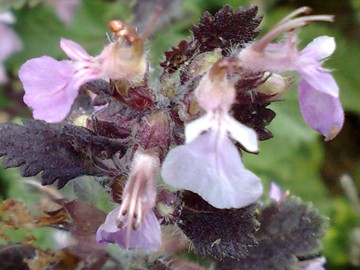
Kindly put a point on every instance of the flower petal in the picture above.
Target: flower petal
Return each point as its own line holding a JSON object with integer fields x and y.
{"x": 109, "y": 225}
{"x": 198, "y": 126}
{"x": 275, "y": 192}
{"x": 320, "y": 48}
{"x": 147, "y": 236}
{"x": 9, "y": 42}
{"x": 313, "y": 264}
{"x": 74, "y": 51}
{"x": 212, "y": 170}
{"x": 321, "y": 111}
{"x": 51, "y": 87}
{"x": 246, "y": 136}
{"x": 65, "y": 9}
{"x": 46, "y": 82}
{"x": 7, "y": 17}
{"x": 319, "y": 79}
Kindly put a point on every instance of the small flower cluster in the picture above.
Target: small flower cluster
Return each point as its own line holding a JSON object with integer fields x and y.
{"x": 209, "y": 163}
{"x": 133, "y": 224}
{"x": 10, "y": 43}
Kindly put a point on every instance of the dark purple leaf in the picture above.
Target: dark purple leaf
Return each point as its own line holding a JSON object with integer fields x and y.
{"x": 85, "y": 141}
{"x": 38, "y": 146}
{"x": 289, "y": 230}
{"x": 220, "y": 233}
{"x": 226, "y": 29}
{"x": 12, "y": 256}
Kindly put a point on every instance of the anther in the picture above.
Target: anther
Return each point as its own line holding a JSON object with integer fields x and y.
{"x": 135, "y": 226}
{"x": 119, "y": 224}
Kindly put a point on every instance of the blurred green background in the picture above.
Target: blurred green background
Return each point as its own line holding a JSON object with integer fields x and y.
{"x": 296, "y": 158}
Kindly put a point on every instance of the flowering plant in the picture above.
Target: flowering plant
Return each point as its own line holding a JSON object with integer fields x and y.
{"x": 191, "y": 126}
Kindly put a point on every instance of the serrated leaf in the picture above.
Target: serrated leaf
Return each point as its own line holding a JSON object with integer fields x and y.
{"x": 38, "y": 146}
{"x": 226, "y": 28}
{"x": 289, "y": 230}
{"x": 177, "y": 56}
{"x": 218, "y": 232}
{"x": 222, "y": 31}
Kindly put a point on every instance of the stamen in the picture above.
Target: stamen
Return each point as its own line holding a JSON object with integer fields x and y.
{"x": 301, "y": 10}
{"x": 139, "y": 45}
{"x": 132, "y": 206}
{"x": 151, "y": 25}
{"x": 286, "y": 27}
{"x": 139, "y": 211}
{"x": 124, "y": 205}
{"x": 135, "y": 225}
{"x": 119, "y": 224}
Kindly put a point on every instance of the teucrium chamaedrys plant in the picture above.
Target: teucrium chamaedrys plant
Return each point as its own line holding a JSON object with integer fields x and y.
{"x": 190, "y": 125}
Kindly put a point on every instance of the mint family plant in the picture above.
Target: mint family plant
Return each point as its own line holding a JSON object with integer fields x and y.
{"x": 190, "y": 125}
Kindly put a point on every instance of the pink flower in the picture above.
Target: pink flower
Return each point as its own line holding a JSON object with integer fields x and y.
{"x": 10, "y": 43}
{"x": 147, "y": 236}
{"x": 133, "y": 225}
{"x": 51, "y": 86}
{"x": 275, "y": 192}
{"x": 65, "y": 9}
{"x": 209, "y": 164}
{"x": 318, "y": 91}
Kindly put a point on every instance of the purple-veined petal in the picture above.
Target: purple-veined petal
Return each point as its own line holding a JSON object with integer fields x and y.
{"x": 45, "y": 81}
{"x": 211, "y": 166}
{"x": 147, "y": 236}
{"x": 246, "y": 136}
{"x": 319, "y": 79}
{"x": 321, "y": 111}
{"x": 51, "y": 87}
{"x": 198, "y": 126}
{"x": 74, "y": 51}
{"x": 320, "y": 48}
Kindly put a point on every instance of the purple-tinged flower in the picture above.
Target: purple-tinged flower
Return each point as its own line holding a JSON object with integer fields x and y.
{"x": 276, "y": 194}
{"x": 10, "y": 43}
{"x": 318, "y": 91}
{"x": 209, "y": 164}
{"x": 65, "y": 9}
{"x": 51, "y": 86}
{"x": 314, "y": 264}
{"x": 133, "y": 225}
